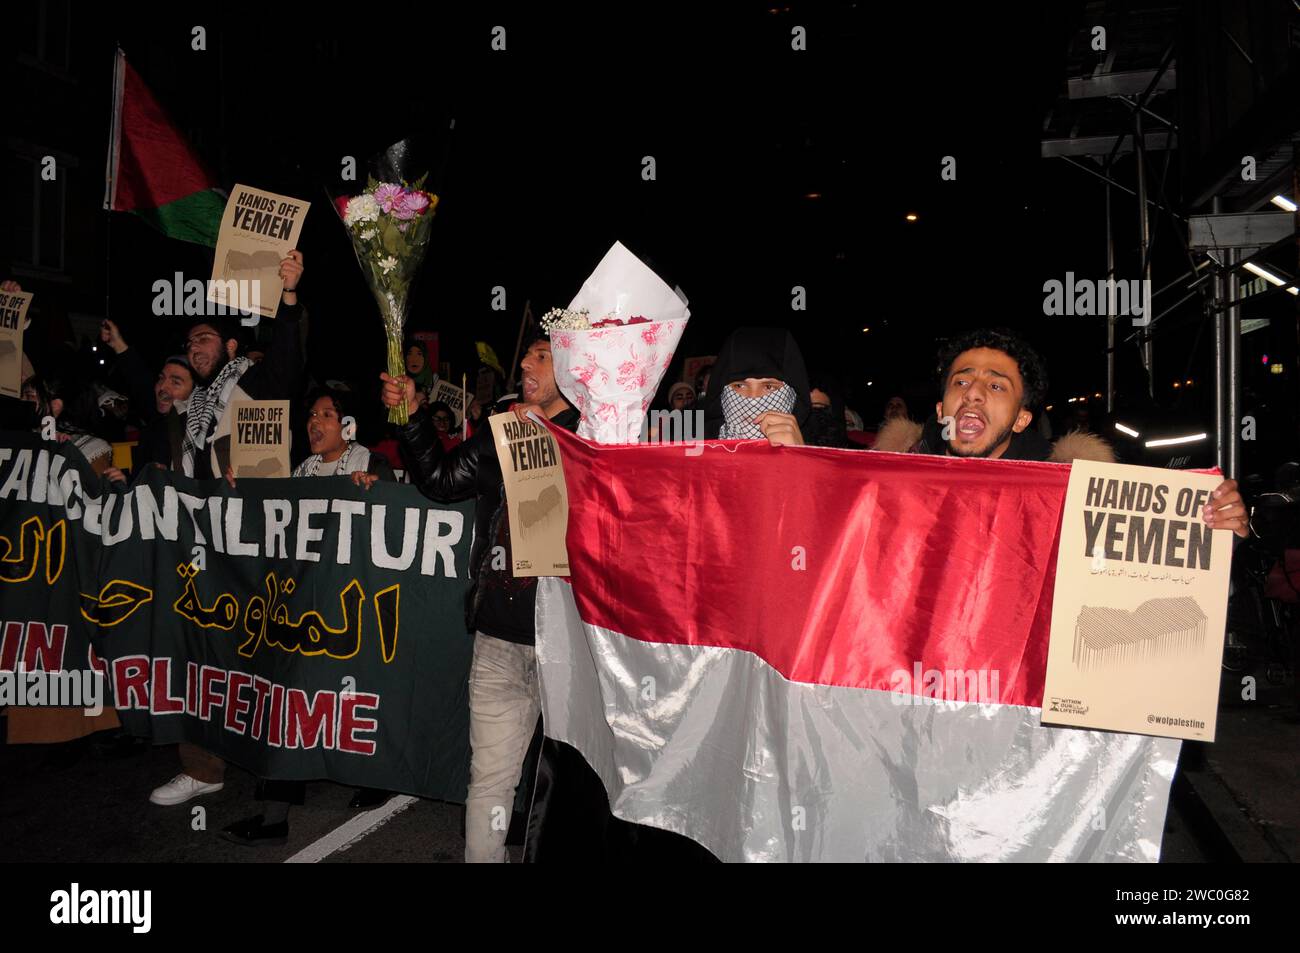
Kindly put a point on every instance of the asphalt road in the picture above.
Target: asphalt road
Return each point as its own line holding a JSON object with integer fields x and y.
{"x": 70, "y": 803}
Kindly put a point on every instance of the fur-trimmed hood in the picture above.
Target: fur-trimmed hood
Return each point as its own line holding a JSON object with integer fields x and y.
{"x": 1081, "y": 445}
{"x": 901, "y": 435}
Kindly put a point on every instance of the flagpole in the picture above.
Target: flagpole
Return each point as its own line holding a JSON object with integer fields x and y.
{"x": 110, "y": 177}
{"x": 519, "y": 342}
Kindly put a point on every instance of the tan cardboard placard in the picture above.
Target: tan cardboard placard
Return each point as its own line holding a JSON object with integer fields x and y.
{"x": 13, "y": 319}
{"x": 258, "y": 229}
{"x": 259, "y": 439}
{"x": 1140, "y": 605}
{"x": 537, "y": 499}
{"x": 453, "y": 397}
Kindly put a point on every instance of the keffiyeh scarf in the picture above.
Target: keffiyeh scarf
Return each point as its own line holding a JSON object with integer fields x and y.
{"x": 740, "y": 411}
{"x": 355, "y": 457}
{"x": 206, "y": 408}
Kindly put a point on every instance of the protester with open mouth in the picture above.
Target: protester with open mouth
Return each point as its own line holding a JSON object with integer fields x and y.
{"x": 331, "y": 433}
{"x": 990, "y": 383}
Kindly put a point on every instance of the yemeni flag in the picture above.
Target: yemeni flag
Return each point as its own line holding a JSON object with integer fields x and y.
{"x": 805, "y": 654}
{"x": 152, "y": 171}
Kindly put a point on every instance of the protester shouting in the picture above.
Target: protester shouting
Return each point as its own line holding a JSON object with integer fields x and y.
{"x": 990, "y": 383}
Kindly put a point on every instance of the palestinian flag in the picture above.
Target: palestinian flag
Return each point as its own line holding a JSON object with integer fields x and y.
{"x": 152, "y": 171}
{"x": 827, "y": 655}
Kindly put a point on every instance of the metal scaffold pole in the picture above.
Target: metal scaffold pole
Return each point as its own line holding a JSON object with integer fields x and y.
{"x": 1110, "y": 304}
{"x": 1144, "y": 231}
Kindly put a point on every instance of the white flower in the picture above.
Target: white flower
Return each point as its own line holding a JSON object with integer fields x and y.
{"x": 558, "y": 319}
{"x": 363, "y": 208}
{"x": 388, "y": 264}
{"x": 368, "y": 234}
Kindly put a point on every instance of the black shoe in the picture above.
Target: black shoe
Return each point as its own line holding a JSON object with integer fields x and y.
{"x": 369, "y": 797}
{"x": 251, "y": 832}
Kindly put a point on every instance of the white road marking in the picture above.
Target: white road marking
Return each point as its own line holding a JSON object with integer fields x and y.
{"x": 345, "y": 835}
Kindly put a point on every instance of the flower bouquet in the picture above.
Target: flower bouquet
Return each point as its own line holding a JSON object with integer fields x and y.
{"x": 389, "y": 226}
{"x": 613, "y": 343}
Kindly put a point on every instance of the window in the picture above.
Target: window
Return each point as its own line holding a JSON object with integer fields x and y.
{"x": 39, "y": 213}
{"x": 42, "y": 33}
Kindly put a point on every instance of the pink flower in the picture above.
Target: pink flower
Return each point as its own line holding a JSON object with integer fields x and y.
{"x": 410, "y": 204}
{"x": 387, "y": 196}
{"x": 562, "y": 339}
{"x": 651, "y": 334}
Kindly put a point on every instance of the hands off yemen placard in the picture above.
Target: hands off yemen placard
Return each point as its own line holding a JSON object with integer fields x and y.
{"x": 259, "y": 439}
{"x": 536, "y": 496}
{"x": 453, "y": 397}
{"x": 13, "y": 315}
{"x": 258, "y": 229}
{"x": 1140, "y": 604}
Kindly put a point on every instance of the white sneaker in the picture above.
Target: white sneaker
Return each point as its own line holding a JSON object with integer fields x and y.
{"x": 180, "y": 789}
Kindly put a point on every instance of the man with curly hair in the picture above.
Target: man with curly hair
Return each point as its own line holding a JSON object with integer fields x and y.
{"x": 990, "y": 382}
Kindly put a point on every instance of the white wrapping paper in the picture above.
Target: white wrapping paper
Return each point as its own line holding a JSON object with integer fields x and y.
{"x": 611, "y": 374}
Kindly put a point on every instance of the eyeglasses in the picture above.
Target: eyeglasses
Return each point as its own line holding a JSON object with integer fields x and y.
{"x": 441, "y": 418}
{"x": 199, "y": 338}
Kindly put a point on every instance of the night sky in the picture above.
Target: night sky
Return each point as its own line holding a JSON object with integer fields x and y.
{"x": 542, "y": 172}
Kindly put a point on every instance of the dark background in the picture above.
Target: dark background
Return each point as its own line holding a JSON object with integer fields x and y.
{"x": 542, "y": 172}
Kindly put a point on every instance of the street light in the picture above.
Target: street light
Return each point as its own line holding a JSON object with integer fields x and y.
{"x": 1171, "y": 441}
{"x": 1269, "y": 277}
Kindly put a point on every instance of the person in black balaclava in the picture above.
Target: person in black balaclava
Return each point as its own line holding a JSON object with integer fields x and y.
{"x": 826, "y": 425}
{"x": 758, "y": 388}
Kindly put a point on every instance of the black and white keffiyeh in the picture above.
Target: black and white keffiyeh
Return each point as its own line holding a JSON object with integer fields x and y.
{"x": 740, "y": 411}
{"x": 355, "y": 457}
{"x": 206, "y": 408}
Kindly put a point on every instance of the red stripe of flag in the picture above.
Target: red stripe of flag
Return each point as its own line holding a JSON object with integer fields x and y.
{"x": 907, "y": 559}
{"x": 155, "y": 164}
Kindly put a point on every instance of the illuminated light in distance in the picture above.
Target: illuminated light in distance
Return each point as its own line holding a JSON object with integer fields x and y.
{"x": 1171, "y": 441}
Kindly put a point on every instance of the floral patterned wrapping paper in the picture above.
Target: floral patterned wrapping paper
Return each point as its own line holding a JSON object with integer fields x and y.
{"x": 610, "y": 374}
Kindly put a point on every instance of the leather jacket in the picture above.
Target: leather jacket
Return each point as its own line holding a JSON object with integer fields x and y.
{"x": 470, "y": 469}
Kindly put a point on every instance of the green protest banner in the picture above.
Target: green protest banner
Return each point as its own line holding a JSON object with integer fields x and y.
{"x": 302, "y": 628}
